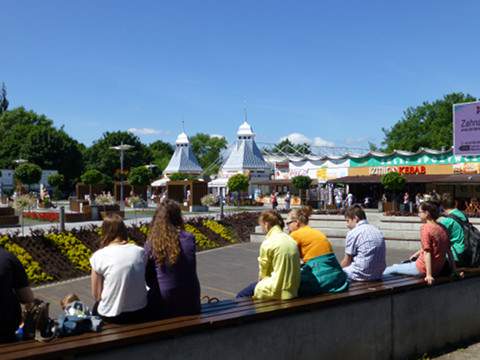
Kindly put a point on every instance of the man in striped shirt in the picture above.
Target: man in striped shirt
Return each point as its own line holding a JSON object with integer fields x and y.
{"x": 364, "y": 247}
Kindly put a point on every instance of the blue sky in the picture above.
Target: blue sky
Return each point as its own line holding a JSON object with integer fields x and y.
{"x": 333, "y": 71}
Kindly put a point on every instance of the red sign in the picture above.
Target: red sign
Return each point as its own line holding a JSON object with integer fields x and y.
{"x": 412, "y": 170}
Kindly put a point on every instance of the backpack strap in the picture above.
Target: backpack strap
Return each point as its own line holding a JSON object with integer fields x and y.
{"x": 457, "y": 219}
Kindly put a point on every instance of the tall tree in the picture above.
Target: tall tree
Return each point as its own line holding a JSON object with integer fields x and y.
{"x": 286, "y": 146}
{"x": 428, "y": 125}
{"x": 28, "y": 135}
{"x": 3, "y": 99}
{"x": 100, "y": 156}
{"x": 161, "y": 153}
{"x": 207, "y": 149}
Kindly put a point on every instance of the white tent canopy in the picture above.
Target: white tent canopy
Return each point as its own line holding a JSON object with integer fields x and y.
{"x": 160, "y": 182}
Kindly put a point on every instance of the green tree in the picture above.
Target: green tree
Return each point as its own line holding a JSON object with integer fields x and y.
{"x": 207, "y": 149}
{"x": 100, "y": 156}
{"x": 238, "y": 183}
{"x": 286, "y": 146}
{"x": 428, "y": 125}
{"x": 92, "y": 177}
{"x": 56, "y": 181}
{"x": 161, "y": 153}
{"x": 28, "y": 174}
{"x": 393, "y": 182}
{"x": 301, "y": 183}
{"x": 139, "y": 176}
{"x": 3, "y": 99}
{"x": 26, "y": 134}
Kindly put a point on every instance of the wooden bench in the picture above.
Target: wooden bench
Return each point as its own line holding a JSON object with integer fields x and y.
{"x": 394, "y": 318}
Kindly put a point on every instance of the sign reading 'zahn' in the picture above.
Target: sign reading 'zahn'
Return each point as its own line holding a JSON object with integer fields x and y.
{"x": 466, "y": 128}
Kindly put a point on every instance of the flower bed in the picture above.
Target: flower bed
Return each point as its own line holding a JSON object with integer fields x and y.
{"x": 53, "y": 256}
{"x": 49, "y": 216}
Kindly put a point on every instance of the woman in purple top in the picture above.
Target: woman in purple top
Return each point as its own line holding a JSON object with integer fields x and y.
{"x": 171, "y": 271}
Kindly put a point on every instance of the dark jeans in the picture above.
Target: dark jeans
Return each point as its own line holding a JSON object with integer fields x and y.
{"x": 129, "y": 317}
{"x": 248, "y": 291}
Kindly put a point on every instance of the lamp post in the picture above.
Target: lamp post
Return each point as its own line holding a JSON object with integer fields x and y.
{"x": 122, "y": 148}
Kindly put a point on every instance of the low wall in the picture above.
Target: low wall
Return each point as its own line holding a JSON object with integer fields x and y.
{"x": 403, "y": 325}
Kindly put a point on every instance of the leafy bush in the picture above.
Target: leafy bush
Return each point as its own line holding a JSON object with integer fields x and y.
{"x": 139, "y": 176}
{"x": 301, "y": 182}
{"x": 393, "y": 182}
{"x": 209, "y": 200}
{"x": 238, "y": 182}
{"x": 28, "y": 173}
{"x": 182, "y": 176}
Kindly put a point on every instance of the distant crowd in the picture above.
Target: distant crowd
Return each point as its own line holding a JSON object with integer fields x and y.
{"x": 132, "y": 284}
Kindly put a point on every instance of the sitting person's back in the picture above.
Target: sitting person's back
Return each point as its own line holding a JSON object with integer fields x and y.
{"x": 278, "y": 263}
{"x": 320, "y": 271}
{"x": 450, "y": 222}
{"x": 171, "y": 265}
{"x": 14, "y": 290}
{"x": 118, "y": 275}
{"x": 364, "y": 248}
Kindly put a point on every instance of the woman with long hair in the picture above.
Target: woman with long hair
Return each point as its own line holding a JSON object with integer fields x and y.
{"x": 118, "y": 275}
{"x": 320, "y": 271}
{"x": 278, "y": 262}
{"x": 171, "y": 264}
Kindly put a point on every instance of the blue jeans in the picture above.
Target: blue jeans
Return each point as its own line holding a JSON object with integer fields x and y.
{"x": 409, "y": 268}
{"x": 248, "y": 291}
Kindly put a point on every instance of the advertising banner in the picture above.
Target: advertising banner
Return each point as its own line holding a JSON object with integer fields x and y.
{"x": 466, "y": 128}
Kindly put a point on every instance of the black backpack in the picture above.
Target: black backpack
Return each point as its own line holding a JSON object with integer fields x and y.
{"x": 471, "y": 255}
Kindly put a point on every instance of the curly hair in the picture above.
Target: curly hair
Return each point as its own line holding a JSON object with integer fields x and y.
{"x": 164, "y": 235}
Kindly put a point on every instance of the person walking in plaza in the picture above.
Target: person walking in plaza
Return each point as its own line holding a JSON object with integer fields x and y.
{"x": 338, "y": 200}
{"x": 14, "y": 290}
{"x": 364, "y": 258}
{"x": 431, "y": 259}
{"x": 278, "y": 262}
{"x": 118, "y": 275}
{"x": 274, "y": 200}
{"x": 288, "y": 200}
{"x": 171, "y": 272}
{"x": 451, "y": 220}
{"x": 320, "y": 271}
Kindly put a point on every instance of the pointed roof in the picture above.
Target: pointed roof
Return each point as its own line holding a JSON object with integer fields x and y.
{"x": 183, "y": 159}
{"x": 245, "y": 154}
{"x": 245, "y": 130}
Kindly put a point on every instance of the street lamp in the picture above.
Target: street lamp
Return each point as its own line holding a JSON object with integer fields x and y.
{"x": 122, "y": 148}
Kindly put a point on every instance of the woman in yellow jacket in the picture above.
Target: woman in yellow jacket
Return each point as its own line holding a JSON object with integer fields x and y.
{"x": 278, "y": 262}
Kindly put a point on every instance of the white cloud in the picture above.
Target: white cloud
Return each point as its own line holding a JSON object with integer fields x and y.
{"x": 298, "y": 139}
{"x": 318, "y": 141}
{"x": 146, "y": 131}
{"x": 356, "y": 141}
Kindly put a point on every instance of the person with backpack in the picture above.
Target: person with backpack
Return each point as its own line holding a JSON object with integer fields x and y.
{"x": 430, "y": 261}
{"x": 464, "y": 237}
{"x": 451, "y": 219}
